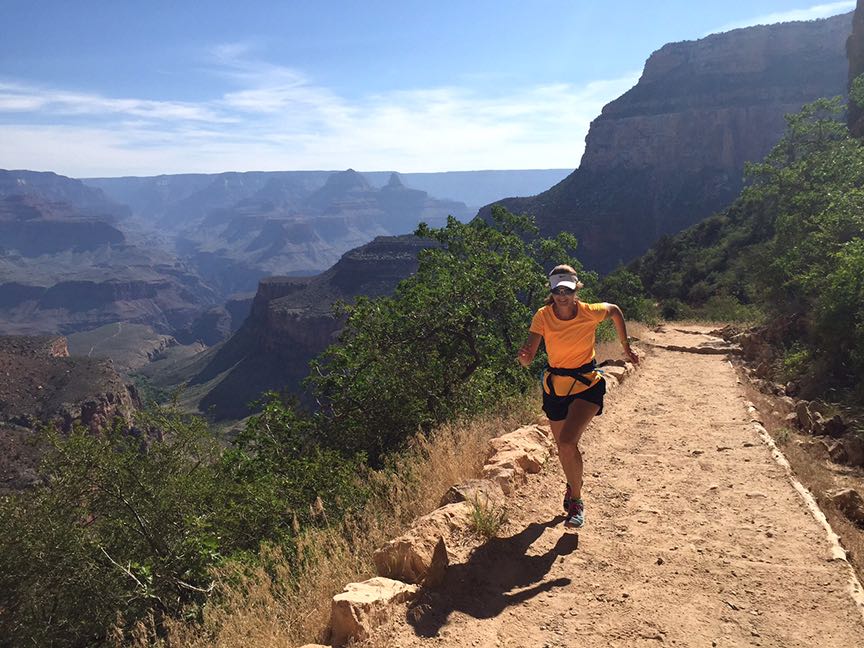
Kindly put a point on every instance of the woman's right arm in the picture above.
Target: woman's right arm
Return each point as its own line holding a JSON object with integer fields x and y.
{"x": 529, "y": 349}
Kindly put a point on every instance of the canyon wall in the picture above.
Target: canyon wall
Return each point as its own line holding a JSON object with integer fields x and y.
{"x": 291, "y": 321}
{"x": 671, "y": 150}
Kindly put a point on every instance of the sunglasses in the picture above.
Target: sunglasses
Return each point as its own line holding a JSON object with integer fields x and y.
{"x": 562, "y": 291}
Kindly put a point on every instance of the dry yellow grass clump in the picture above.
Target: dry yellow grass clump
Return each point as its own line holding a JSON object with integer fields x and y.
{"x": 275, "y": 605}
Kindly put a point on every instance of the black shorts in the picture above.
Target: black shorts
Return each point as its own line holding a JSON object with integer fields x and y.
{"x": 555, "y": 407}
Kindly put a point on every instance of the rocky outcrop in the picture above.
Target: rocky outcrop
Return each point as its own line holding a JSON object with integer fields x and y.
{"x": 849, "y": 502}
{"x": 362, "y": 606}
{"x": 410, "y": 557}
{"x": 72, "y": 306}
{"x": 35, "y": 346}
{"x": 513, "y": 456}
{"x": 41, "y": 384}
{"x": 288, "y": 229}
{"x": 671, "y": 151}
{"x": 291, "y": 321}
{"x": 66, "y": 268}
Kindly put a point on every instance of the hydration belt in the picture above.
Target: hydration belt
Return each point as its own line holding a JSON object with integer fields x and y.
{"x": 588, "y": 375}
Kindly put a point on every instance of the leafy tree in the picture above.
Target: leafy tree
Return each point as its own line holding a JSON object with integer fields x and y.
{"x": 625, "y": 288}
{"x": 791, "y": 244}
{"x": 444, "y": 344}
{"x": 121, "y": 525}
{"x": 129, "y": 524}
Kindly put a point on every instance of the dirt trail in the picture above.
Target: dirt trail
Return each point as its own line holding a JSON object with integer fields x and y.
{"x": 694, "y": 537}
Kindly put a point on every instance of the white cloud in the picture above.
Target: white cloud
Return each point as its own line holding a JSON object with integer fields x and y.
{"x": 276, "y": 119}
{"x": 809, "y": 13}
{"x": 16, "y": 98}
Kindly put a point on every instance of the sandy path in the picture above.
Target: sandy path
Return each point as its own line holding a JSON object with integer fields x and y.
{"x": 694, "y": 537}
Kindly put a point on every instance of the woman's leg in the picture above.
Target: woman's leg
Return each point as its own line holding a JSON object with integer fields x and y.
{"x": 567, "y": 434}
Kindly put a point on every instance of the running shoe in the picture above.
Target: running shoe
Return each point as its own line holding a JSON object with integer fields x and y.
{"x": 576, "y": 514}
{"x": 568, "y": 493}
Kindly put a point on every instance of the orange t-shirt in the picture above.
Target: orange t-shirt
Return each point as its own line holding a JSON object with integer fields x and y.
{"x": 569, "y": 343}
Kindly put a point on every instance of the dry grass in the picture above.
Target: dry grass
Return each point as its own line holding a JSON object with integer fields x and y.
{"x": 810, "y": 464}
{"x": 273, "y": 605}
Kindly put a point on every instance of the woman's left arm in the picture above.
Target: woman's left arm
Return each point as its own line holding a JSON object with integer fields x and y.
{"x": 617, "y": 317}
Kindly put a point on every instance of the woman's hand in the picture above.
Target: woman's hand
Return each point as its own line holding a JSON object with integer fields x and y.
{"x": 632, "y": 356}
{"x": 525, "y": 355}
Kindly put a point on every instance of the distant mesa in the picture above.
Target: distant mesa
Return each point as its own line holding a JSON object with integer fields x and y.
{"x": 52, "y": 188}
{"x": 33, "y": 227}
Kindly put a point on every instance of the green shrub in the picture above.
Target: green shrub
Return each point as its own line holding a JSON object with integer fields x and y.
{"x": 444, "y": 345}
{"x": 625, "y": 288}
{"x": 487, "y": 518}
{"x": 796, "y": 361}
{"x": 128, "y": 525}
{"x": 674, "y": 309}
{"x": 726, "y": 308}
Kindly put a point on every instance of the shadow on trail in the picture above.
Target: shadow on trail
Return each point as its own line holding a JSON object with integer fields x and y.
{"x": 482, "y": 586}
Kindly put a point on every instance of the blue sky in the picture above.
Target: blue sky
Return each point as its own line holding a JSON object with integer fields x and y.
{"x": 118, "y": 87}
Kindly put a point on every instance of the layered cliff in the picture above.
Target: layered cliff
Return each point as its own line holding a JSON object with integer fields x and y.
{"x": 51, "y": 187}
{"x": 64, "y": 268}
{"x": 671, "y": 151}
{"x": 291, "y": 321}
{"x": 33, "y": 227}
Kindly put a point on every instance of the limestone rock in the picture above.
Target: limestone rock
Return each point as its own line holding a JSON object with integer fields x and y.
{"x": 805, "y": 417}
{"x": 410, "y": 557}
{"x": 854, "y": 448}
{"x": 508, "y": 478}
{"x": 788, "y": 401}
{"x": 850, "y": 503}
{"x": 837, "y": 452}
{"x": 818, "y": 428}
{"x": 611, "y": 362}
{"x": 362, "y": 606}
{"x": 617, "y": 372}
{"x": 438, "y": 566}
{"x": 527, "y": 448}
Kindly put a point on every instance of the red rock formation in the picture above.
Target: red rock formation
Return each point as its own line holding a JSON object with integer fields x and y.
{"x": 41, "y": 384}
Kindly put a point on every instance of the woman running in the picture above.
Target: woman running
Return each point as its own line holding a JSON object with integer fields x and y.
{"x": 572, "y": 387}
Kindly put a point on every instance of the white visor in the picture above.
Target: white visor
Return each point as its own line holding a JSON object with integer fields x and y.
{"x": 563, "y": 280}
